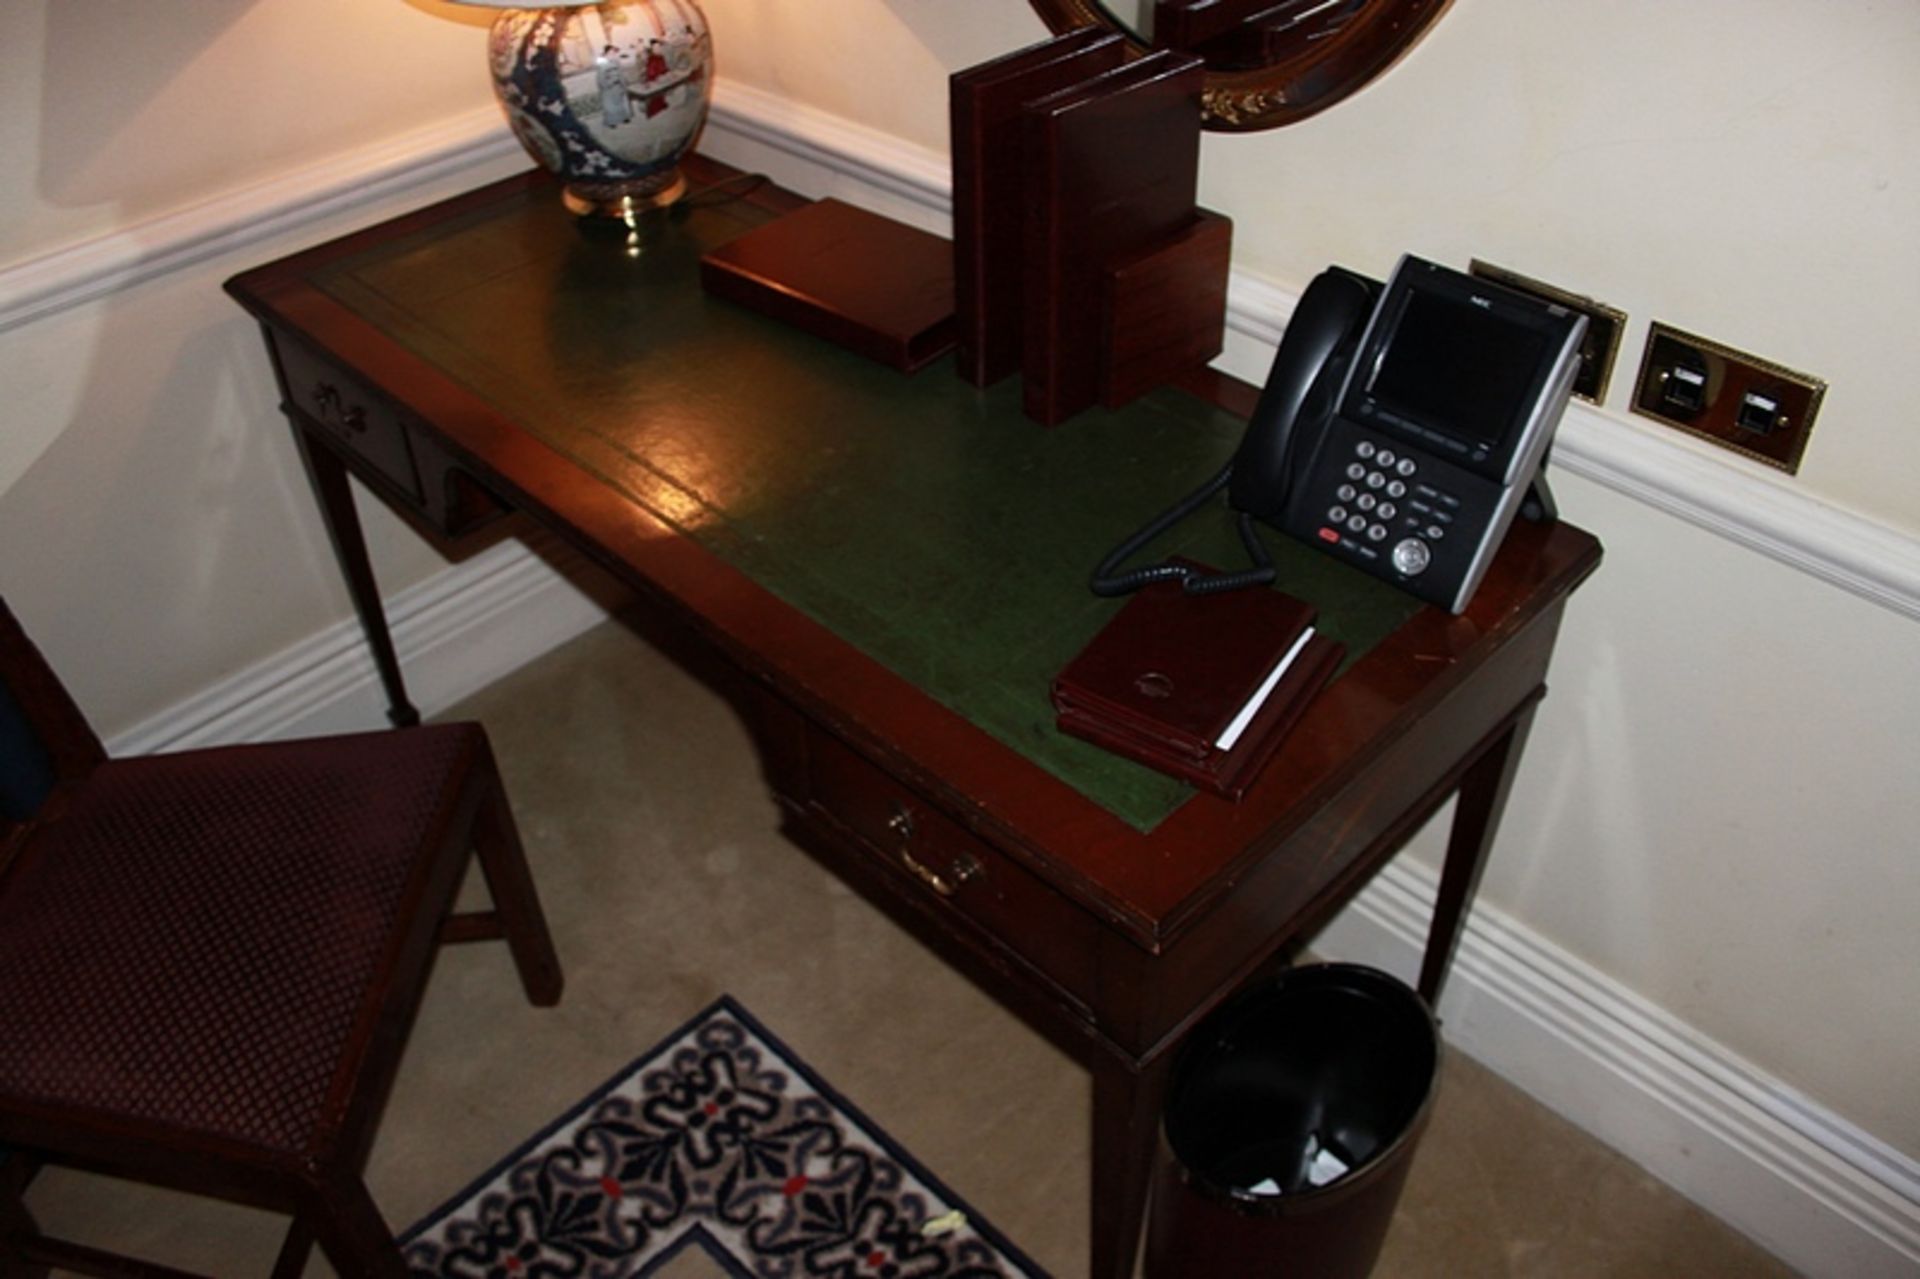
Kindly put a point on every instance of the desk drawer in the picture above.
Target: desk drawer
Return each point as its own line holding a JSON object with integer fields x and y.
{"x": 362, "y": 422}
{"x": 954, "y": 868}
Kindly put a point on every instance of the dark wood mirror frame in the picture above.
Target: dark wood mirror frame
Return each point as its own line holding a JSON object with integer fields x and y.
{"x": 1296, "y": 84}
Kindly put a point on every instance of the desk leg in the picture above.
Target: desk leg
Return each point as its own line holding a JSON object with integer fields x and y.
{"x": 328, "y": 476}
{"x": 1126, "y": 1129}
{"x": 1476, "y": 818}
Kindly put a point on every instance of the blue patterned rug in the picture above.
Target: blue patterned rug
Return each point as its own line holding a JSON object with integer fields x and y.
{"x": 718, "y": 1139}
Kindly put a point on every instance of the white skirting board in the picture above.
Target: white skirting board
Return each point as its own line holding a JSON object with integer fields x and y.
{"x": 458, "y": 631}
{"x": 1814, "y": 1190}
{"x": 1824, "y": 1196}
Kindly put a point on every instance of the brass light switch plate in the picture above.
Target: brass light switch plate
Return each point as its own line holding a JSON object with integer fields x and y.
{"x": 1755, "y": 407}
{"x": 1604, "y": 326}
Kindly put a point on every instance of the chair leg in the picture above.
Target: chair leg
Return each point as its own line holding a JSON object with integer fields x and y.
{"x": 292, "y": 1261}
{"x": 503, "y": 860}
{"x": 341, "y": 1215}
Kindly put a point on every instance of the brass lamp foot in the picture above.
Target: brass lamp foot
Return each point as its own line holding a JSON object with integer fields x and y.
{"x": 607, "y": 200}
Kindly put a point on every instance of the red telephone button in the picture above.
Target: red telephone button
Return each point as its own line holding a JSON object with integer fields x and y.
{"x": 1329, "y": 535}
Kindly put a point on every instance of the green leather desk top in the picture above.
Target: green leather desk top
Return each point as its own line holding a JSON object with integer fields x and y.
{"x": 926, "y": 522}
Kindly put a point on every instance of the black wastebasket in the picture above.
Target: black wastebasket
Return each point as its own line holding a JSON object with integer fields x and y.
{"x": 1291, "y": 1122}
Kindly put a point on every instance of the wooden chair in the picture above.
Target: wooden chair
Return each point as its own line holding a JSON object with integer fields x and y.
{"x": 209, "y": 961}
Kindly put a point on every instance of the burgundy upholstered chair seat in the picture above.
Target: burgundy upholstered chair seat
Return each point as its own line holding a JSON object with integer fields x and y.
{"x": 209, "y": 960}
{"x": 192, "y": 942}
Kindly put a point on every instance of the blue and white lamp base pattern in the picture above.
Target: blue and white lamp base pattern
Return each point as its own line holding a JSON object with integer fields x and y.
{"x": 607, "y": 96}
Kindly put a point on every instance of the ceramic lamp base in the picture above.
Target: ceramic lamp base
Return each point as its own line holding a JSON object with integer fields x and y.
{"x": 608, "y": 96}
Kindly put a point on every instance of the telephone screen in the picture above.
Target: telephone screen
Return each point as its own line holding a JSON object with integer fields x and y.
{"x": 1461, "y": 370}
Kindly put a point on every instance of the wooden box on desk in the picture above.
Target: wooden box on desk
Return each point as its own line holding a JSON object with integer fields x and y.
{"x": 864, "y": 281}
{"x": 1165, "y": 309}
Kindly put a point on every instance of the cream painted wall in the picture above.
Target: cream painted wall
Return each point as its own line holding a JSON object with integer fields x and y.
{"x": 1743, "y": 170}
{"x": 1718, "y": 807}
{"x": 112, "y": 112}
{"x": 136, "y": 459}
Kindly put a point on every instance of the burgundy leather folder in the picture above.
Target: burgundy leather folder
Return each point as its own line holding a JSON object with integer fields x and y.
{"x": 873, "y": 285}
{"x": 1166, "y": 678}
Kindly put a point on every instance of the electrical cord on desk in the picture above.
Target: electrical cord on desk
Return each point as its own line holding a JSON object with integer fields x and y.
{"x": 704, "y": 197}
{"x": 1110, "y": 580}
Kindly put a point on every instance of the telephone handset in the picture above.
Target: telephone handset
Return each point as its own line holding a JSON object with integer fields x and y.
{"x": 1400, "y": 430}
{"x": 1303, "y": 384}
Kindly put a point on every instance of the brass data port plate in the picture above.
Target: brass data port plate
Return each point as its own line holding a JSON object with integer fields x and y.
{"x": 1755, "y": 407}
{"x": 1604, "y": 326}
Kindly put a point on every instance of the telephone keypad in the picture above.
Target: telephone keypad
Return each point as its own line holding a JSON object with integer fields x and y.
{"x": 1384, "y": 499}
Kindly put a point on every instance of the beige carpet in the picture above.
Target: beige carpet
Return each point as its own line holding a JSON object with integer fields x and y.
{"x": 667, "y": 884}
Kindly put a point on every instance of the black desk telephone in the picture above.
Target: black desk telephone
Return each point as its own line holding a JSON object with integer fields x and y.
{"x": 1400, "y": 430}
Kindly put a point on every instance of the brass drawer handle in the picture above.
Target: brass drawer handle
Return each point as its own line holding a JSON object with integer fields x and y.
{"x": 327, "y": 398}
{"x": 963, "y": 867}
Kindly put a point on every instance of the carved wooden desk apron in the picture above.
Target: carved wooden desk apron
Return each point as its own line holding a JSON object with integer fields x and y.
{"x": 886, "y": 571}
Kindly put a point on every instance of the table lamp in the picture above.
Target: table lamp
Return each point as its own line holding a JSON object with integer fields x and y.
{"x": 608, "y": 96}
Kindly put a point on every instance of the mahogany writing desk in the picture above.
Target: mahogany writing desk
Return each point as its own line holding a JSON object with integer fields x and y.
{"x": 886, "y": 571}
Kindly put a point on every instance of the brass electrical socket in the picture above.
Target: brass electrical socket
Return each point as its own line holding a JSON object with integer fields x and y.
{"x": 1755, "y": 407}
{"x": 1604, "y": 327}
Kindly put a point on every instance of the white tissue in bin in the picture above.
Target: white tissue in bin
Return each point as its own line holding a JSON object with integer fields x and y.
{"x": 1325, "y": 1167}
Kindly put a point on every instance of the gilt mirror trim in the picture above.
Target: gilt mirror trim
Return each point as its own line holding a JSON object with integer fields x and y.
{"x": 1329, "y": 63}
